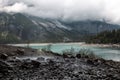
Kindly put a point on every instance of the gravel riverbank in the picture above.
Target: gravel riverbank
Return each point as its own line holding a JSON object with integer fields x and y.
{"x": 55, "y": 68}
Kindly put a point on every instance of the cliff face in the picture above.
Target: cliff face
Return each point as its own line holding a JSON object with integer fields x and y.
{"x": 16, "y": 28}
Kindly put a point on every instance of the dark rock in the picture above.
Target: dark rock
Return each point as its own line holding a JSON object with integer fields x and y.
{"x": 20, "y": 51}
{"x": 5, "y": 67}
{"x": 3, "y": 56}
{"x": 97, "y": 62}
{"x": 41, "y": 59}
{"x": 65, "y": 55}
{"x": 78, "y": 55}
{"x": 72, "y": 57}
{"x": 49, "y": 59}
{"x": 27, "y": 60}
{"x": 12, "y": 58}
{"x": 68, "y": 56}
{"x": 33, "y": 50}
{"x": 51, "y": 62}
{"x": 26, "y": 64}
{"x": 102, "y": 60}
{"x": 59, "y": 59}
{"x": 90, "y": 62}
{"x": 67, "y": 60}
{"x": 86, "y": 56}
{"x": 35, "y": 63}
{"x": 11, "y": 53}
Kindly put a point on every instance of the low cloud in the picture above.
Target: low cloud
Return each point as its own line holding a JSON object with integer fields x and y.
{"x": 108, "y": 10}
{"x": 17, "y": 7}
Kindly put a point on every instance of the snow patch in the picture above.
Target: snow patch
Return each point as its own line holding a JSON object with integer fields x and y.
{"x": 58, "y": 24}
{"x": 35, "y": 22}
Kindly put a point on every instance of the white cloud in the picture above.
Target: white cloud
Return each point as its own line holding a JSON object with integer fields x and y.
{"x": 66, "y": 9}
{"x": 17, "y": 7}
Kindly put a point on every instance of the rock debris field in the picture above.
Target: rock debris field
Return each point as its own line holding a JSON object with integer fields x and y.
{"x": 56, "y": 67}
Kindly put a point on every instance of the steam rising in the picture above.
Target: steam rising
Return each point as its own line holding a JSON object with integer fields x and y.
{"x": 66, "y": 9}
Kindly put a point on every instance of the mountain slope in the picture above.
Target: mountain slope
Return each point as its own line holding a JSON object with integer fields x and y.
{"x": 17, "y": 28}
{"x": 91, "y": 26}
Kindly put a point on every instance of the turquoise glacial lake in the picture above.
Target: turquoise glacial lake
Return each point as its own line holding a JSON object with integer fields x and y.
{"x": 106, "y": 53}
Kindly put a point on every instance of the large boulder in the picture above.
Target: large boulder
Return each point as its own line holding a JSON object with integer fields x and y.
{"x": 40, "y": 59}
{"x": 89, "y": 61}
{"x": 3, "y": 56}
{"x": 78, "y": 56}
{"x": 35, "y": 63}
{"x": 27, "y": 64}
{"x": 20, "y": 51}
{"x": 65, "y": 55}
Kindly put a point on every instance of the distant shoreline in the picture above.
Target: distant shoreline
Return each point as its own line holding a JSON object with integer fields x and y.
{"x": 79, "y": 43}
{"x": 42, "y": 44}
{"x": 103, "y": 45}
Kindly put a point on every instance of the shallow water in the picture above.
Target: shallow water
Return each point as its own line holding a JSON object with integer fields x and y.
{"x": 106, "y": 53}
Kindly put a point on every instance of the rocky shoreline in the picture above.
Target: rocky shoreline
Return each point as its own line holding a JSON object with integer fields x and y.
{"x": 57, "y": 67}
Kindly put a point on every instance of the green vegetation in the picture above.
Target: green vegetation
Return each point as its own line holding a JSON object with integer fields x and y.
{"x": 47, "y": 48}
{"x": 106, "y": 37}
{"x": 69, "y": 51}
{"x": 72, "y": 53}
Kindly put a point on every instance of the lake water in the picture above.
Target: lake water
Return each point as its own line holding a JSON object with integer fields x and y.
{"x": 106, "y": 53}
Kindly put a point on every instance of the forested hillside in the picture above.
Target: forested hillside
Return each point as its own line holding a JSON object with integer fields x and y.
{"x": 106, "y": 37}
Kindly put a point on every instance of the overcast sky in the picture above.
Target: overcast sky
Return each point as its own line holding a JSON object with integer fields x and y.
{"x": 66, "y": 9}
